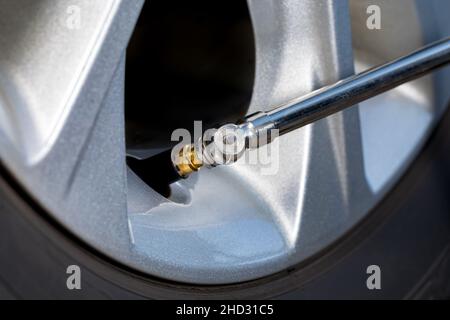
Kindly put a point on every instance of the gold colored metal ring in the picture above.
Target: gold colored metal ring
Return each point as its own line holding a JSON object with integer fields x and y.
{"x": 187, "y": 161}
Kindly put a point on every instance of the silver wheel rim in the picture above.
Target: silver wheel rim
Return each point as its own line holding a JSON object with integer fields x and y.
{"x": 62, "y": 135}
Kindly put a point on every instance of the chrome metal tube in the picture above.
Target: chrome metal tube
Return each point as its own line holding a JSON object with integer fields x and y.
{"x": 346, "y": 93}
{"x": 256, "y": 130}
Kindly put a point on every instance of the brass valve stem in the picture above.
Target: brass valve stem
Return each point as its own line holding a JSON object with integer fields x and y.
{"x": 186, "y": 161}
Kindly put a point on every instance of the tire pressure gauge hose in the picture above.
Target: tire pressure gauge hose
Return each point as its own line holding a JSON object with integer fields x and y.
{"x": 230, "y": 141}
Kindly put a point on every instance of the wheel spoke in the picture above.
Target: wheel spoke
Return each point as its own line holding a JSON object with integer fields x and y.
{"x": 71, "y": 153}
{"x": 299, "y": 56}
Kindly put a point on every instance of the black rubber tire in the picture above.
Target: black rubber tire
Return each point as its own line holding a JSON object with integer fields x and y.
{"x": 407, "y": 235}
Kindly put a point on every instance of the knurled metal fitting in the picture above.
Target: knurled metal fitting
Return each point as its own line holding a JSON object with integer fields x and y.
{"x": 186, "y": 160}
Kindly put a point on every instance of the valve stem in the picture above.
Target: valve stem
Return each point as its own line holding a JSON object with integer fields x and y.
{"x": 186, "y": 160}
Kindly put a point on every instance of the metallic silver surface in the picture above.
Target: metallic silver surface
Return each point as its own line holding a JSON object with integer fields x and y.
{"x": 62, "y": 135}
{"x": 62, "y": 98}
